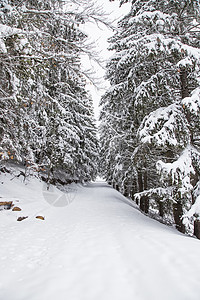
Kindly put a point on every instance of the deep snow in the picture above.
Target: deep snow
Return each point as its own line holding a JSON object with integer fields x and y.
{"x": 92, "y": 245}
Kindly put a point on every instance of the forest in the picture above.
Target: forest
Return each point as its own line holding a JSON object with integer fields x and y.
{"x": 148, "y": 143}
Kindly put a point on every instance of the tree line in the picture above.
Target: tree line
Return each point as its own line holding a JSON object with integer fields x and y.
{"x": 150, "y": 115}
{"x": 46, "y": 115}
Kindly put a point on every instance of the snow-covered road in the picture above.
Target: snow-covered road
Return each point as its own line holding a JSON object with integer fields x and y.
{"x": 96, "y": 248}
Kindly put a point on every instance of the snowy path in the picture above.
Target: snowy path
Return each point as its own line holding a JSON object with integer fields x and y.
{"x": 96, "y": 248}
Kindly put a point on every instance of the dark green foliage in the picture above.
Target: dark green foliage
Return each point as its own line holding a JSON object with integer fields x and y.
{"x": 47, "y": 121}
{"x": 149, "y": 134}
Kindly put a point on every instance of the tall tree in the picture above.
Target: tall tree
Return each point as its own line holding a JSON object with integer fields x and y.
{"x": 45, "y": 106}
{"x": 155, "y": 67}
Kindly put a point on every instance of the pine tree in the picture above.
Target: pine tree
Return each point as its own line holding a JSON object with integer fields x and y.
{"x": 155, "y": 67}
{"x": 47, "y": 122}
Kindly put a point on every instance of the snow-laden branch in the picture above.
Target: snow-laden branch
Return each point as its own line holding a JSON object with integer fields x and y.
{"x": 179, "y": 171}
{"x": 6, "y": 30}
{"x": 195, "y": 209}
{"x": 193, "y": 102}
{"x": 163, "y": 193}
{"x": 164, "y": 126}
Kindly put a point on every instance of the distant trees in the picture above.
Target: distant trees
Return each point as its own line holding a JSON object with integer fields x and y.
{"x": 150, "y": 132}
{"x": 46, "y": 117}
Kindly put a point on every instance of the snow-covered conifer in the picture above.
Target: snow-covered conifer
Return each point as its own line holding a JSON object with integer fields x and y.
{"x": 44, "y": 88}
{"x": 154, "y": 76}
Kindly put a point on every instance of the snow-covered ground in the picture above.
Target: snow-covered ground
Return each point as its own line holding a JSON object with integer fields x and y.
{"x": 92, "y": 245}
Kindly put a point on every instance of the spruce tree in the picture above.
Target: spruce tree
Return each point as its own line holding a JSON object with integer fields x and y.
{"x": 43, "y": 93}
{"x": 155, "y": 67}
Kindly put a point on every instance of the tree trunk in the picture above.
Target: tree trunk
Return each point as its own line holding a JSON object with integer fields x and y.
{"x": 178, "y": 213}
{"x": 134, "y": 189}
{"x": 126, "y": 191}
{"x": 146, "y": 205}
{"x": 142, "y": 203}
{"x": 184, "y": 83}
{"x": 161, "y": 208}
{"x": 185, "y": 93}
{"x": 140, "y": 182}
{"x": 141, "y": 188}
{"x": 146, "y": 199}
{"x": 126, "y": 194}
{"x": 197, "y": 228}
{"x": 117, "y": 187}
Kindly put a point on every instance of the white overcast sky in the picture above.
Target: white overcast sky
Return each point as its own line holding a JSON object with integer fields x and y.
{"x": 100, "y": 35}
